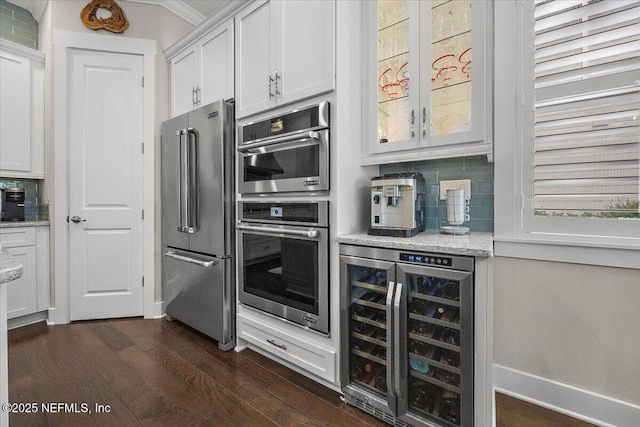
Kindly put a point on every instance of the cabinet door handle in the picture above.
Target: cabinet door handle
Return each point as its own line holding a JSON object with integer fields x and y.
{"x": 273, "y": 342}
{"x": 270, "y": 81}
{"x": 277, "y": 78}
{"x": 198, "y": 100}
{"x": 424, "y": 122}
{"x": 413, "y": 121}
{"x": 193, "y": 96}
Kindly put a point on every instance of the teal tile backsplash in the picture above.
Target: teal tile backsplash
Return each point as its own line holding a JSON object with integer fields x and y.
{"x": 476, "y": 168}
{"x": 17, "y": 25}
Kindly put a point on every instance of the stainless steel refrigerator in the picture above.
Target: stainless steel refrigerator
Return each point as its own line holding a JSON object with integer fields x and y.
{"x": 198, "y": 219}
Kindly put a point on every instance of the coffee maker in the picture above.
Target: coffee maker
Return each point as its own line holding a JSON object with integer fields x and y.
{"x": 13, "y": 204}
{"x": 397, "y": 205}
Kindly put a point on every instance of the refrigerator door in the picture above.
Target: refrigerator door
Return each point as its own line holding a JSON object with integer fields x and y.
{"x": 172, "y": 139}
{"x": 198, "y": 291}
{"x": 210, "y": 127}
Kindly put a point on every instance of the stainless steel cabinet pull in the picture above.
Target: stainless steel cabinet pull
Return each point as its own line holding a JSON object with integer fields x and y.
{"x": 424, "y": 122}
{"x": 199, "y": 262}
{"x": 413, "y": 121}
{"x": 273, "y": 342}
{"x": 287, "y": 138}
{"x": 277, "y": 78}
{"x": 193, "y": 96}
{"x": 270, "y": 81}
{"x": 311, "y": 234}
{"x": 198, "y": 100}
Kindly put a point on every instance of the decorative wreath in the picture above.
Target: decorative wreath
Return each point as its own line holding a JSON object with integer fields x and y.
{"x": 116, "y": 23}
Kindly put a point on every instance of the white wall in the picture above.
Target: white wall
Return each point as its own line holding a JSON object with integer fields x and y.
{"x": 145, "y": 22}
{"x": 575, "y": 324}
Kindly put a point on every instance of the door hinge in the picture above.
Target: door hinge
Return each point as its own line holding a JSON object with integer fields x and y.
{"x": 142, "y": 147}
{"x": 143, "y": 281}
{"x": 67, "y": 218}
{"x": 142, "y": 81}
{"x": 143, "y": 214}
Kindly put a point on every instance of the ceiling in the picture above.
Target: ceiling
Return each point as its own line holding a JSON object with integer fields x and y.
{"x": 193, "y": 11}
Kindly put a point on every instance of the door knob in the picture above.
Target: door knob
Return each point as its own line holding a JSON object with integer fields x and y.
{"x": 77, "y": 219}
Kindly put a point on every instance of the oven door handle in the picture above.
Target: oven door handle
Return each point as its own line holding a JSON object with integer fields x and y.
{"x": 279, "y": 140}
{"x": 311, "y": 233}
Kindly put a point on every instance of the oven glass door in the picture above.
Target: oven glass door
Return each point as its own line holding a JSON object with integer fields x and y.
{"x": 299, "y": 163}
{"x": 285, "y": 275}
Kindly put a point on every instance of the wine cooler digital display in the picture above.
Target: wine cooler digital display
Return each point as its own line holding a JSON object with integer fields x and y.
{"x": 409, "y": 347}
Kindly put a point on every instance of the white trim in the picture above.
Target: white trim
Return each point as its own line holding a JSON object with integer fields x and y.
{"x": 32, "y": 54}
{"x": 569, "y": 400}
{"x": 63, "y": 41}
{"x": 179, "y": 8}
{"x": 218, "y": 17}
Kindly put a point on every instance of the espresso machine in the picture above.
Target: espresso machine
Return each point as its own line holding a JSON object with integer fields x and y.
{"x": 13, "y": 204}
{"x": 397, "y": 205}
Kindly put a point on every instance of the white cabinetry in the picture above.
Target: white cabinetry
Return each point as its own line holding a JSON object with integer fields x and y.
{"x": 21, "y": 111}
{"x": 286, "y": 52}
{"x": 299, "y": 348}
{"x": 427, "y": 89}
{"x": 30, "y": 246}
{"x": 202, "y": 72}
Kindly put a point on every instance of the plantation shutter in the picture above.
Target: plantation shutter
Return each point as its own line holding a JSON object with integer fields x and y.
{"x": 587, "y": 107}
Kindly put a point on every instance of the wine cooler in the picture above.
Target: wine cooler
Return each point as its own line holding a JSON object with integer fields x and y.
{"x": 407, "y": 342}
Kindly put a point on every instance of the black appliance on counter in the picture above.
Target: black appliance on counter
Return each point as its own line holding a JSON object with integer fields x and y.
{"x": 13, "y": 204}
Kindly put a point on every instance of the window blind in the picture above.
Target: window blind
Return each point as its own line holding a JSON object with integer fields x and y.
{"x": 587, "y": 108}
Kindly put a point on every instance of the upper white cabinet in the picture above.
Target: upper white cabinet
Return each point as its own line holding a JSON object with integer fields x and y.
{"x": 427, "y": 89}
{"x": 21, "y": 111}
{"x": 202, "y": 72}
{"x": 286, "y": 52}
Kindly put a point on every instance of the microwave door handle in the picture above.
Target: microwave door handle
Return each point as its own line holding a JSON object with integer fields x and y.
{"x": 206, "y": 264}
{"x": 302, "y": 137}
{"x": 310, "y": 234}
{"x": 193, "y": 182}
{"x": 399, "y": 348}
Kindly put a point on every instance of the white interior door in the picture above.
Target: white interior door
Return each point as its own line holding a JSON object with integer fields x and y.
{"x": 105, "y": 184}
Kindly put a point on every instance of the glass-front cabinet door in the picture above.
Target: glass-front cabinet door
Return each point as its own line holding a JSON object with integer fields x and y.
{"x": 436, "y": 345}
{"x": 431, "y": 84}
{"x": 366, "y": 326}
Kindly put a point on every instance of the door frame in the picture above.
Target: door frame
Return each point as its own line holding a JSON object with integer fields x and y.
{"x": 63, "y": 42}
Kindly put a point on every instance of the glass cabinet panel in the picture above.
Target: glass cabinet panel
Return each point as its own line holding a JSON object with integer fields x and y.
{"x": 393, "y": 110}
{"x": 450, "y": 66}
{"x": 368, "y": 327}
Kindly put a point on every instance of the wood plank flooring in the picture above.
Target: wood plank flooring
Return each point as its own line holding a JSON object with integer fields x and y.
{"x": 160, "y": 373}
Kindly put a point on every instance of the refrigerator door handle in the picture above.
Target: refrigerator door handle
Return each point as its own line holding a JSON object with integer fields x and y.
{"x": 401, "y": 342}
{"x": 206, "y": 264}
{"x": 193, "y": 184}
{"x": 392, "y": 401}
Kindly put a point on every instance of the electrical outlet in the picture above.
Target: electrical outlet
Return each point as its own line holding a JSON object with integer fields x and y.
{"x": 452, "y": 185}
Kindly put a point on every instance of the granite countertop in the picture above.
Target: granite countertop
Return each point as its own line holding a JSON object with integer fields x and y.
{"x": 10, "y": 269}
{"x": 472, "y": 244}
{"x": 28, "y": 223}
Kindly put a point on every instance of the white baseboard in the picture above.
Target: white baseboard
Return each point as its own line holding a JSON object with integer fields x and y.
{"x": 569, "y": 400}
{"x": 154, "y": 311}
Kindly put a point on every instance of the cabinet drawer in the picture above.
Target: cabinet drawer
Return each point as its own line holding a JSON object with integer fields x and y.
{"x": 16, "y": 237}
{"x": 302, "y": 353}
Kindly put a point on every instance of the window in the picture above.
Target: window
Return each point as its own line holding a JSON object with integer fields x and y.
{"x": 567, "y": 130}
{"x": 586, "y": 67}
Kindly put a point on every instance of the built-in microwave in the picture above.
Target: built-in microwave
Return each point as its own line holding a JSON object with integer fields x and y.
{"x": 285, "y": 153}
{"x": 283, "y": 260}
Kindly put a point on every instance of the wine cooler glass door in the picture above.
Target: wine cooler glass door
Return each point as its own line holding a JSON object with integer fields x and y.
{"x": 367, "y": 318}
{"x": 436, "y": 355}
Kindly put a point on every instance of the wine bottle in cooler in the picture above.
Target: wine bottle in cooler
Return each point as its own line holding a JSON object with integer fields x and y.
{"x": 450, "y": 407}
{"x": 361, "y": 369}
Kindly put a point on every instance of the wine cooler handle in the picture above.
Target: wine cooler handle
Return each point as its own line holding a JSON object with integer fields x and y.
{"x": 399, "y": 347}
{"x": 391, "y": 340}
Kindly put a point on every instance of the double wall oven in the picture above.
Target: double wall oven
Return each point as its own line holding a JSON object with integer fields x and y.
{"x": 283, "y": 242}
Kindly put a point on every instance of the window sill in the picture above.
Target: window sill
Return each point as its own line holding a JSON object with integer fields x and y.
{"x": 621, "y": 253}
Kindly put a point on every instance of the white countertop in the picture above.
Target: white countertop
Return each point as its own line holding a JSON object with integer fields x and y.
{"x": 10, "y": 269}
{"x": 472, "y": 244}
{"x": 29, "y": 223}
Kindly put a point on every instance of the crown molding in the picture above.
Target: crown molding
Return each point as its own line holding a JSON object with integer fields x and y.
{"x": 177, "y": 7}
{"x": 227, "y": 11}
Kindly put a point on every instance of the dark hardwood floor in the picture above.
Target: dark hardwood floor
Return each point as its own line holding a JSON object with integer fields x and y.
{"x": 155, "y": 372}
